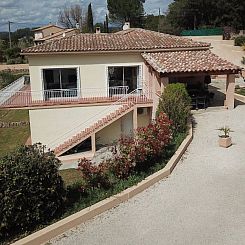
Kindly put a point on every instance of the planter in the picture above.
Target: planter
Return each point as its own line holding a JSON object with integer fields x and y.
{"x": 225, "y": 141}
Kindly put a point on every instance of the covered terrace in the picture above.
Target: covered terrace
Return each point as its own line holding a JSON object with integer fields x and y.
{"x": 194, "y": 68}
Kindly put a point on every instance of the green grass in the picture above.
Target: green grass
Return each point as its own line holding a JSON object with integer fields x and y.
{"x": 240, "y": 91}
{"x": 70, "y": 176}
{"x": 11, "y": 138}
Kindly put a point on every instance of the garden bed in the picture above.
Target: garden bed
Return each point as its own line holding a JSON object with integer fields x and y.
{"x": 95, "y": 198}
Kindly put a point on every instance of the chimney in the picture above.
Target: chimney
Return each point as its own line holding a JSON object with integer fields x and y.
{"x": 126, "y": 26}
{"x": 97, "y": 30}
{"x": 77, "y": 26}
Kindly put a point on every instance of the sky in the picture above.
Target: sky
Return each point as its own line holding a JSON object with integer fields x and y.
{"x": 32, "y": 13}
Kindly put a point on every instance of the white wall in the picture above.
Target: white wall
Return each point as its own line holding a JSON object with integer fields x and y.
{"x": 54, "y": 126}
{"x": 92, "y": 68}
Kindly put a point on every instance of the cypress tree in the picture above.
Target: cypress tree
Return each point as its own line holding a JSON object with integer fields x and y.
{"x": 90, "y": 19}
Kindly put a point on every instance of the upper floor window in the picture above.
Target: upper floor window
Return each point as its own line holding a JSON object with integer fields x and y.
{"x": 60, "y": 82}
{"x": 124, "y": 76}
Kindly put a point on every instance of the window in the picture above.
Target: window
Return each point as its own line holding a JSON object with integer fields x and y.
{"x": 60, "y": 82}
{"x": 124, "y": 76}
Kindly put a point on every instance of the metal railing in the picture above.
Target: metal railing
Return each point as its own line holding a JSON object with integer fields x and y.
{"x": 15, "y": 98}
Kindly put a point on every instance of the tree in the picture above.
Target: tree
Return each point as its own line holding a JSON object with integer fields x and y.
{"x": 126, "y": 11}
{"x": 90, "y": 20}
{"x": 194, "y": 14}
{"x": 106, "y": 24}
{"x": 70, "y": 16}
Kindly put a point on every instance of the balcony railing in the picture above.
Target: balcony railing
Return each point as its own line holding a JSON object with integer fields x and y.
{"x": 28, "y": 98}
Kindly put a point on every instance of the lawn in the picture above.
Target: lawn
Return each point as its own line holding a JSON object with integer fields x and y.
{"x": 70, "y": 176}
{"x": 10, "y": 138}
{"x": 240, "y": 91}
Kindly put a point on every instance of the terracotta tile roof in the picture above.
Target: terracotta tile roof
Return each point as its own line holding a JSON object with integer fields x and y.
{"x": 57, "y": 34}
{"x": 47, "y": 26}
{"x": 132, "y": 39}
{"x": 188, "y": 61}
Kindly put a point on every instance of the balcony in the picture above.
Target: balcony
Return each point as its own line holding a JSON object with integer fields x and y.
{"x": 28, "y": 98}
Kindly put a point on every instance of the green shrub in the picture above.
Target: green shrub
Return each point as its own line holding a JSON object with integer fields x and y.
{"x": 175, "y": 102}
{"x": 240, "y": 41}
{"x": 31, "y": 190}
{"x": 7, "y": 77}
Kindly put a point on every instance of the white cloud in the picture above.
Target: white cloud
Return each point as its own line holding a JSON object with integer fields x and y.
{"x": 38, "y": 12}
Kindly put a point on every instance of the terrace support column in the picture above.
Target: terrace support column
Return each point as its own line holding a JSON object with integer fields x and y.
{"x": 93, "y": 143}
{"x": 164, "y": 83}
{"x": 230, "y": 92}
{"x": 135, "y": 119}
{"x": 154, "y": 95}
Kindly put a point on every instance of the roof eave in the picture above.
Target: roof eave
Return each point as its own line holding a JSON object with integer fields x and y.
{"x": 117, "y": 51}
{"x": 214, "y": 72}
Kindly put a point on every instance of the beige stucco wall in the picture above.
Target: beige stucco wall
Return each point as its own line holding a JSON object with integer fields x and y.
{"x": 110, "y": 133}
{"x": 144, "y": 119}
{"x": 51, "y": 30}
{"x": 92, "y": 69}
{"x": 59, "y": 124}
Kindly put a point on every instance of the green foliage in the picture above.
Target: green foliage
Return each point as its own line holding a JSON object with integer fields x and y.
{"x": 7, "y": 77}
{"x": 195, "y": 14}
{"x": 90, "y": 19}
{"x": 175, "y": 102}
{"x": 106, "y": 24}
{"x": 240, "y": 41}
{"x": 93, "y": 176}
{"x": 226, "y": 131}
{"x": 126, "y": 11}
{"x": 31, "y": 190}
{"x": 12, "y": 53}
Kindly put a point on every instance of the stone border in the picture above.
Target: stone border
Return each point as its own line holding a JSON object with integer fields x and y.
{"x": 88, "y": 213}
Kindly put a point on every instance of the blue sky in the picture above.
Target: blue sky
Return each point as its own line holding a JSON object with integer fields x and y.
{"x": 37, "y": 12}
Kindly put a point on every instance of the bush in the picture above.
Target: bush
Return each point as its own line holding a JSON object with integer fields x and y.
{"x": 175, "y": 102}
{"x": 240, "y": 41}
{"x": 141, "y": 152}
{"x": 31, "y": 190}
{"x": 93, "y": 176}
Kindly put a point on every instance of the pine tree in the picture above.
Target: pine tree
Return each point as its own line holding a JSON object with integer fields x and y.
{"x": 126, "y": 11}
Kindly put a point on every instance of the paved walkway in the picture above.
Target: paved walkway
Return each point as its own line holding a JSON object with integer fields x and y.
{"x": 202, "y": 202}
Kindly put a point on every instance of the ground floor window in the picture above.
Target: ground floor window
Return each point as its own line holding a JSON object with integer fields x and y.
{"x": 60, "y": 82}
{"x": 124, "y": 76}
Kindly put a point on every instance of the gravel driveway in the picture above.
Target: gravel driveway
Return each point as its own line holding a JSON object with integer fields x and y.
{"x": 202, "y": 202}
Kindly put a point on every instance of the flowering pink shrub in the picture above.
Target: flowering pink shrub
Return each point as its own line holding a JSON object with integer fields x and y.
{"x": 152, "y": 140}
{"x": 141, "y": 151}
{"x": 130, "y": 154}
{"x": 94, "y": 176}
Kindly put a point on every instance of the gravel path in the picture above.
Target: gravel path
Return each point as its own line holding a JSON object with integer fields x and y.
{"x": 202, "y": 202}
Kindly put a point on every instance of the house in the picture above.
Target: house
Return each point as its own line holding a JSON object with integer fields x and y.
{"x": 52, "y": 32}
{"x": 88, "y": 90}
